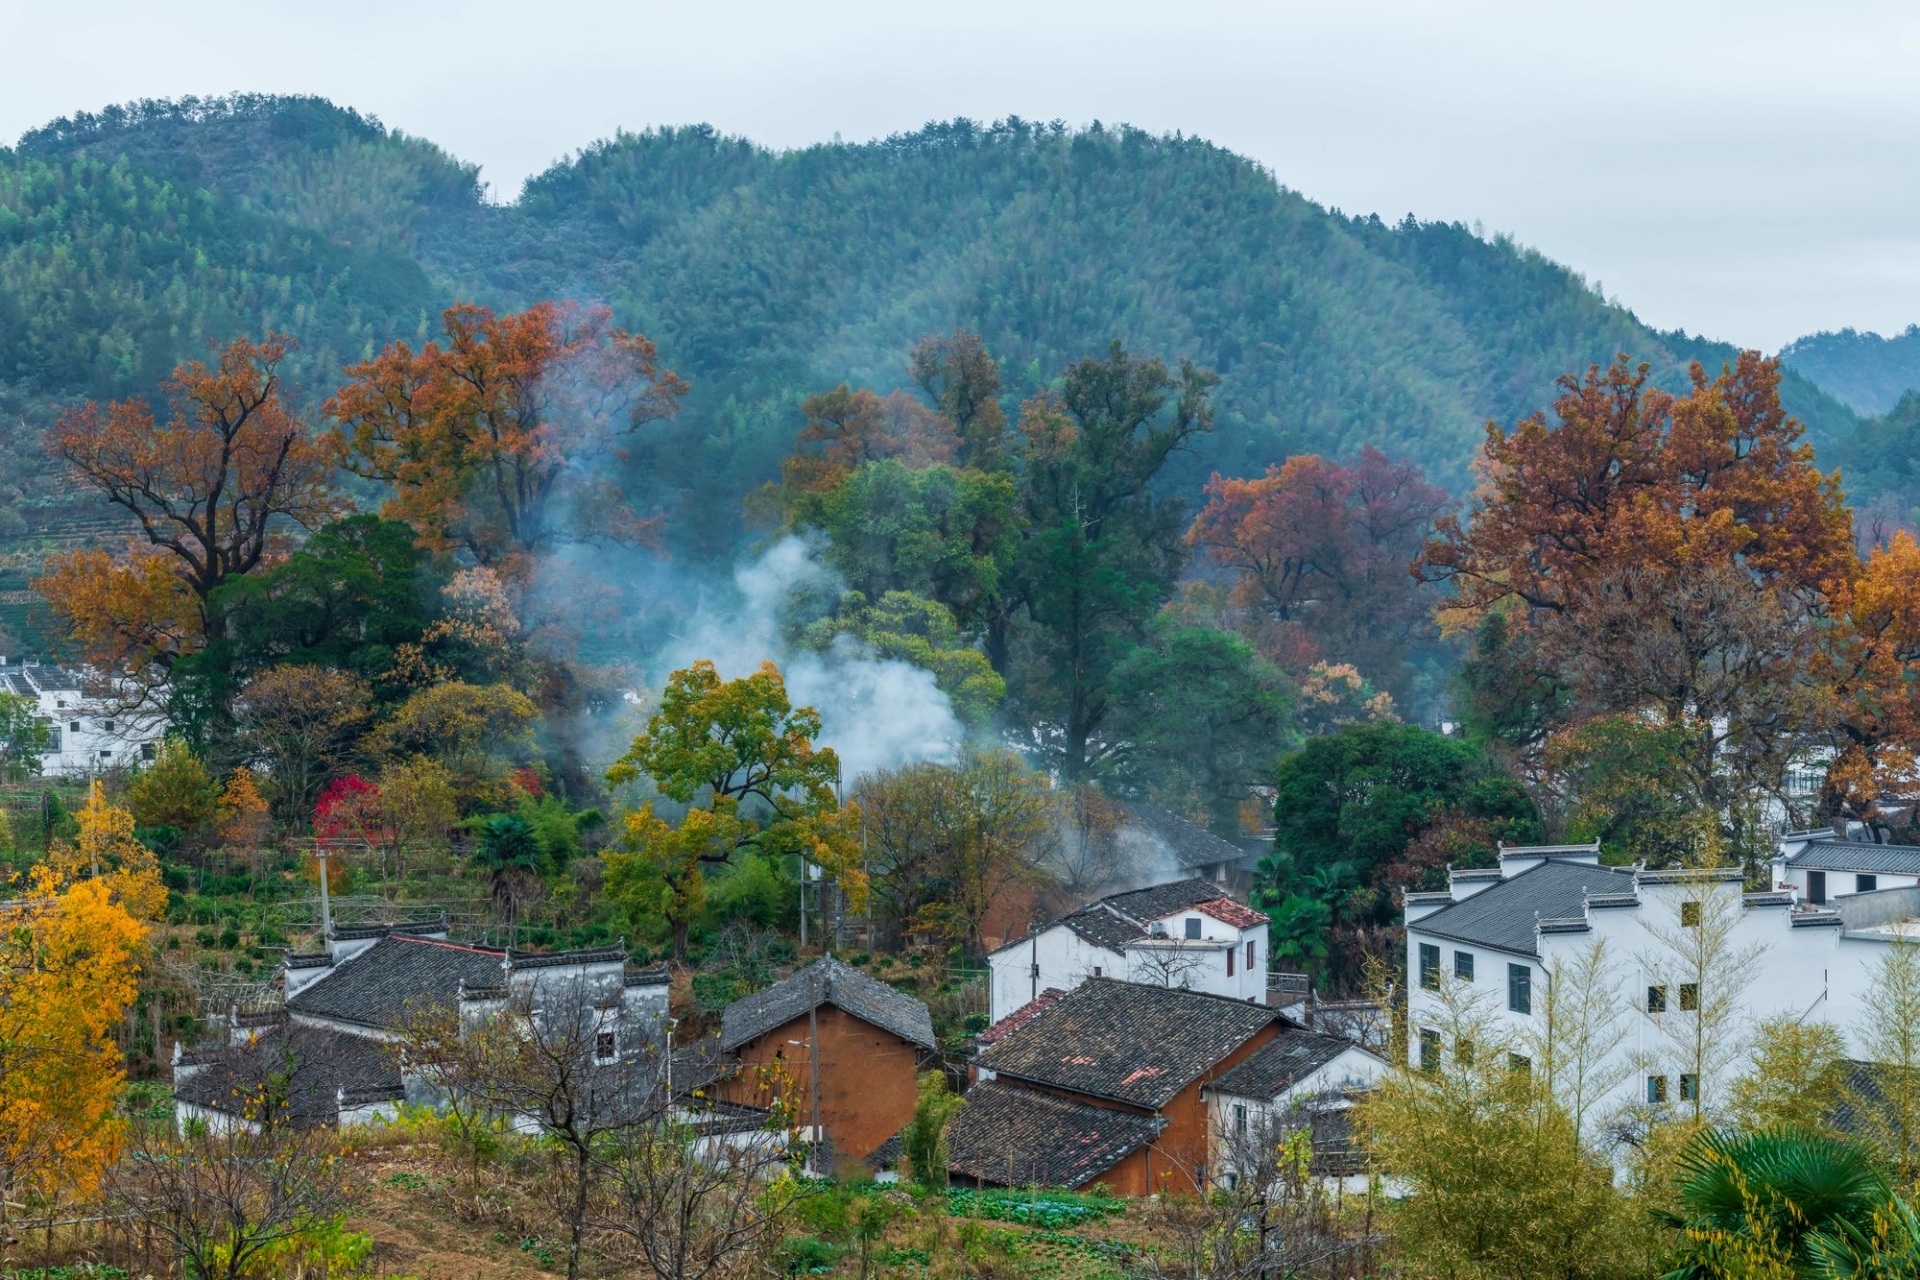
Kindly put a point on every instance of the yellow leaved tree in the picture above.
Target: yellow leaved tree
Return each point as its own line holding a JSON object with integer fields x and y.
{"x": 70, "y": 958}
{"x": 743, "y": 759}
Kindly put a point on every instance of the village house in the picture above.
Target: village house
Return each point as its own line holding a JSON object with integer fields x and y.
{"x": 1188, "y": 934}
{"x": 1500, "y": 934}
{"x": 345, "y": 1010}
{"x": 1301, "y": 1079}
{"x": 1103, "y": 1083}
{"x": 1818, "y": 866}
{"x": 1166, "y": 846}
{"x": 863, "y": 1041}
{"x": 89, "y": 731}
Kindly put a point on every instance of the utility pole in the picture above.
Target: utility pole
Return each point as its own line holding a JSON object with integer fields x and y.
{"x": 326, "y": 903}
{"x": 813, "y": 1049}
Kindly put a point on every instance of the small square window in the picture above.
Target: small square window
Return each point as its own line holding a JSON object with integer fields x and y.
{"x": 605, "y": 1045}
{"x": 1657, "y": 1089}
{"x": 1689, "y": 1087}
{"x": 107, "y": 725}
{"x": 1429, "y": 1049}
{"x": 1690, "y": 914}
{"x": 1520, "y": 1062}
{"x": 1463, "y": 965}
{"x": 1429, "y": 967}
{"x": 1865, "y": 884}
{"x": 74, "y": 727}
{"x": 1096, "y": 971}
{"x": 1193, "y": 927}
{"x": 1656, "y": 999}
{"x": 146, "y": 751}
{"x": 1689, "y": 997}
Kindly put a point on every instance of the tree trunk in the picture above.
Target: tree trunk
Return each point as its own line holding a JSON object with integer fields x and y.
{"x": 578, "y": 1223}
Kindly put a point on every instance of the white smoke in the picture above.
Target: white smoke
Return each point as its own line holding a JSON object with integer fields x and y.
{"x": 875, "y": 712}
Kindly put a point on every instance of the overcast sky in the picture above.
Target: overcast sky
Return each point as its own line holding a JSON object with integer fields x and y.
{"x": 1747, "y": 170}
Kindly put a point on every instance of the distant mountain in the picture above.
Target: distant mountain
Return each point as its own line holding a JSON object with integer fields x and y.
{"x": 132, "y": 238}
{"x": 1864, "y": 371}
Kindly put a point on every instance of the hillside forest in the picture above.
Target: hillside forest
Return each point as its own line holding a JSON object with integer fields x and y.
{"x": 594, "y": 567}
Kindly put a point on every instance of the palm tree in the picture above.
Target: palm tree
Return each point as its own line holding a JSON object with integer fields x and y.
{"x": 1751, "y": 1203}
{"x": 509, "y": 851}
{"x": 1298, "y": 932}
{"x": 1887, "y": 1248}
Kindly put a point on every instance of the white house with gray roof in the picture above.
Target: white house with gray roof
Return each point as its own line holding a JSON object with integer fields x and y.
{"x": 1499, "y": 937}
{"x": 1819, "y": 866}
{"x": 91, "y": 731}
{"x": 1190, "y": 934}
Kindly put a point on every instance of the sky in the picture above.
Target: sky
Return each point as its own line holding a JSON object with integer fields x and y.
{"x": 1748, "y": 171}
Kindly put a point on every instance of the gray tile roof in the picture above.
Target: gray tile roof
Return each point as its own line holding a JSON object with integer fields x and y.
{"x": 1103, "y": 928}
{"x": 1126, "y": 1041}
{"x": 827, "y": 982}
{"x": 1502, "y": 916}
{"x": 1160, "y": 900}
{"x": 1190, "y": 844}
{"x": 374, "y": 988}
{"x": 314, "y": 1064}
{"x": 1011, "y": 1136}
{"x": 1853, "y": 855}
{"x": 1276, "y": 1067}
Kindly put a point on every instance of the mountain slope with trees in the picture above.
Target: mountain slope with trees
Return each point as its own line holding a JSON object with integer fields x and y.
{"x": 1865, "y": 371}
{"x": 132, "y": 238}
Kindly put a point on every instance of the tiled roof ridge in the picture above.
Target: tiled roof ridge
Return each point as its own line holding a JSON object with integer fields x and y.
{"x": 473, "y": 948}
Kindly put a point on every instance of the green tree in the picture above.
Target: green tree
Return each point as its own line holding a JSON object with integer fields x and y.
{"x": 923, "y": 633}
{"x": 1200, "y": 718}
{"x": 25, "y": 737}
{"x": 174, "y": 790}
{"x": 506, "y": 849}
{"x": 1102, "y": 547}
{"x": 925, "y": 1141}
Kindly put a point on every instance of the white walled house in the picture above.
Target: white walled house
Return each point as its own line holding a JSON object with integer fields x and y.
{"x": 1300, "y": 1080}
{"x": 91, "y": 733}
{"x": 1496, "y": 937}
{"x": 1818, "y": 866}
{"x": 1189, "y": 934}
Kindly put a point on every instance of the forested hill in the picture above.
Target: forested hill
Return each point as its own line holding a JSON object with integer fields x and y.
{"x": 131, "y": 238}
{"x": 1865, "y": 371}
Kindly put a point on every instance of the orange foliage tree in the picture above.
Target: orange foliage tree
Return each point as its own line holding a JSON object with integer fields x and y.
{"x": 845, "y": 429}
{"x": 1320, "y": 554}
{"x": 1873, "y": 669}
{"x": 498, "y": 439}
{"x": 213, "y": 490}
{"x": 1668, "y": 556}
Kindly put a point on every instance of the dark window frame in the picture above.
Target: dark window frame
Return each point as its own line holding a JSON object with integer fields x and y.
{"x": 1519, "y": 988}
{"x": 1429, "y": 966}
{"x": 1656, "y": 999}
{"x": 1463, "y": 965}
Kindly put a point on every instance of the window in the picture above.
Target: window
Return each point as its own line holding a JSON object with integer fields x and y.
{"x": 1233, "y": 1181}
{"x": 1519, "y": 988}
{"x": 1816, "y": 887}
{"x": 1429, "y": 1050}
{"x": 1229, "y": 962}
{"x": 1193, "y": 927}
{"x": 1239, "y": 1117}
{"x": 60, "y": 704}
{"x": 1689, "y": 1087}
{"x": 74, "y": 727}
{"x": 1096, "y": 971}
{"x": 146, "y": 751}
{"x": 1429, "y": 966}
{"x": 105, "y": 752}
{"x": 1690, "y": 914}
{"x": 1520, "y": 1062}
{"x": 1657, "y": 1089}
{"x": 1689, "y": 997}
{"x": 1249, "y": 955}
{"x": 1463, "y": 965}
{"x": 1865, "y": 884}
{"x": 604, "y": 1046}
{"x": 1656, "y": 999}
{"x": 107, "y": 725}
